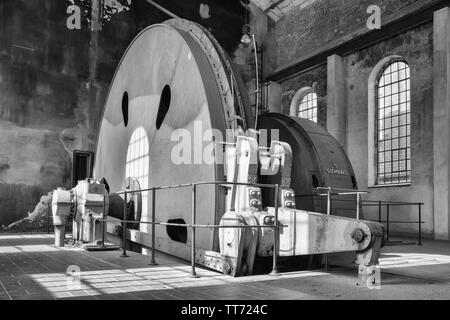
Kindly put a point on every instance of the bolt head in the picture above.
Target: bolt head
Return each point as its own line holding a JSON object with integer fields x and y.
{"x": 358, "y": 235}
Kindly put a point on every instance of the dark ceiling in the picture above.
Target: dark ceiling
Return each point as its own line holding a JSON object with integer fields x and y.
{"x": 223, "y": 18}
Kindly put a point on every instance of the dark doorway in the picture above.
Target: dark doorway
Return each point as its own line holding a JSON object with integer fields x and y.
{"x": 83, "y": 165}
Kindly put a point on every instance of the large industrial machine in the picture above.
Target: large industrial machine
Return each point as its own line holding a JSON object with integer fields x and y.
{"x": 177, "y": 112}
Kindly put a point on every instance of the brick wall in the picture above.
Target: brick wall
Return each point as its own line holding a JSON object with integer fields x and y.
{"x": 326, "y": 23}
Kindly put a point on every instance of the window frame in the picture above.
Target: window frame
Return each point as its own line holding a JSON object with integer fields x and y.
{"x": 135, "y": 159}
{"x": 304, "y": 95}
{"x": 405, "y": 174}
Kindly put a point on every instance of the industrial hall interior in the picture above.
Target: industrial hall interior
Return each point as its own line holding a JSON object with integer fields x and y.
{"x": 224, "y": 150}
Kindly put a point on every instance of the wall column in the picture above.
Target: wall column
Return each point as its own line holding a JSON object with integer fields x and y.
{"x": 441, "y": 122}
{"x": 337, "y": 99}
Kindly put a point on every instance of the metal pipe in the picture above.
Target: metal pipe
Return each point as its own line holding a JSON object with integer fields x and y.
{"x": 48, "y": 219}
{"x": 235, "y": 177}
{"x": 387, "y": 223}
{"x": 104, "y": 222}
{"x": 81, "y": 231}
{"x": 257, "y": 81}
{"x": 276, "y": 234}
{"x": 329, "y": 201}
{"x": 202, "y": 225}
{"x": 328, "y": 213}
{"x": 393, "y": 221}
{"x": 124, "y": 228}
{"x": 342, "y": 189}
{"x": 92, "y": 234}
{"x": 420, "y": 225}
{"x": 357, "y": 205}
{"x": 157, "y": 6}
{"x": 152, "y": 261}
{"x": 394, "y": 202}
{"x": 194, "y": 208}
{"x": 379, "y": 211}
{"x": 261, "y": 185}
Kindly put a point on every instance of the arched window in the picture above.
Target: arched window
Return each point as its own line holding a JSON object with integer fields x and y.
{"x": 308, "y": 106}
{"x": 393, "y": 124}
{"x": 138, "y": 162}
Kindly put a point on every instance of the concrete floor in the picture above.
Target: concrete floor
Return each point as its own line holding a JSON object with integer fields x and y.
{"x": 31, "y": 268}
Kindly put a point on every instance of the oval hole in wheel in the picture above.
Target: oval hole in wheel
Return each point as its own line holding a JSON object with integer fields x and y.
{"x": 164, "y": 104}
{"x": 125, "y": 108}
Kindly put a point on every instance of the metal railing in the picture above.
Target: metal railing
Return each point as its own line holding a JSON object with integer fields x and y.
{"x": 276, "y": 227}
{"x": 388, "y": 221}
{"x": 371, "y": 203}
{"x": 342, "y": 192}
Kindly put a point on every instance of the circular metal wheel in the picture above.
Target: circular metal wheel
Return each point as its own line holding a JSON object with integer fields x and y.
{"x": 171, "y": 87}
{"x": 234, "y": 91}
{"x": 318, "y": 161}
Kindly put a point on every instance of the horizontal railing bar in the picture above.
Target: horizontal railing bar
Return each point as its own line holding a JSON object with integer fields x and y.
{"x": 364, "y": 202}
{"x": 372, "y": 204}
{"x": 395, "y": 202}
{"x": 261, "y": 185}
{"x": 416, "y": 222}
{"x": 225, "y": 143}
{"x": 341, "y": 189}
{"x": 178, "y": 186}
{"x": 190, "y": 225}
{"x": 342, "y": 193}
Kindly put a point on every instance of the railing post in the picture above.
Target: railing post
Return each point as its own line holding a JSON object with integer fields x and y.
{"x": 276, "y": 234}
{"x": 387, "y": 222}
{"x": 379, "y": 211}
{"x": 194, "y": 208}
{"x": 124, "y": 227}
{"x": 420, "y": 225}
{"x": 358, "y": 204}
{"x": 104, "y": 222}
{"x": 48, "y": 219}
{"x": 329, "y": 201}
{"x": 153, "y": 262}
{"x": 328, "y": 213}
